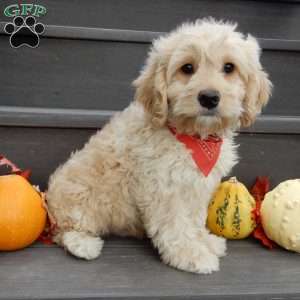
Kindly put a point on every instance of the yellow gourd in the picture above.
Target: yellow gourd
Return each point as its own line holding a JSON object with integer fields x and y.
{"x": 230, "y": 211}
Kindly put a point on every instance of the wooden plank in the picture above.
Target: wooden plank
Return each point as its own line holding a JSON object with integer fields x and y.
{"x": 103, "y": 34}
{"x": 135, "y": 272}
{"x": 279, "y": 44}
{"x": 70, "y": 74}
{"x": 101, "y": 77}
{"x": 84, "y": 118}
{"x": 267, "y": 19}
{"x": 276, "y": 156}
{"x": 42, "y": 150}
{"x": 275, "y": 124}
{"x": 53, "y": 117}
{"x": 137, "y": 36}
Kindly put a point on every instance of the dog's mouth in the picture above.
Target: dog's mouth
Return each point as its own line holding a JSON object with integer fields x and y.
{"x": 210, "y": 113}
{"x": 202, "y": 125}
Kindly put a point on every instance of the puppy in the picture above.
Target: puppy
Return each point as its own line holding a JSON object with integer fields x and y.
{"x": 137, "y": 177}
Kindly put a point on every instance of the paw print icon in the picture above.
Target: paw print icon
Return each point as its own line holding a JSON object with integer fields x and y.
{"x": 24, "y": 32}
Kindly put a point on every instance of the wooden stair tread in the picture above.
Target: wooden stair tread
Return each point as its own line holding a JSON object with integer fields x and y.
{"x": 132, "y": 269}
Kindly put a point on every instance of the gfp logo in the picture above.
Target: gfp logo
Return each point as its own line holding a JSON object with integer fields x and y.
{"x": 25, "y": 10}
{"x": 24, "y": 30}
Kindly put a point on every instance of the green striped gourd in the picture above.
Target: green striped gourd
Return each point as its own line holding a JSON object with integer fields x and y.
{"x": 230, "y": 211}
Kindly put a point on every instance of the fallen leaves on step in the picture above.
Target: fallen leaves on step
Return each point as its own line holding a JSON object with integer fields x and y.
{"x": 46, "y": 236}
{"x": 258, "y": 191}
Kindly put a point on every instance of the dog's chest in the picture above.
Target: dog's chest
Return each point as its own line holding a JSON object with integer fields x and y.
{"x": 167, "y": 167}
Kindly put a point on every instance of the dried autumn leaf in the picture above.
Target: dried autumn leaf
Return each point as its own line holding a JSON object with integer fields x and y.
{"x": 260, "y": 188}
{"x": 13, "y": 168}
{"x": 26, "y": 174}
{"x": 258, "y": 191}
{"x": 5, "y": 162}
{"x": 260, "y": 235}
{"x": 46, "y": 236}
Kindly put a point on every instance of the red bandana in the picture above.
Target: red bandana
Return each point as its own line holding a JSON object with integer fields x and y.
{"x": 204, "y": 152}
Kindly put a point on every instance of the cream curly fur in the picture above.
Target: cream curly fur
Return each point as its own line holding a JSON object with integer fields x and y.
{"x": 133, "y": 178}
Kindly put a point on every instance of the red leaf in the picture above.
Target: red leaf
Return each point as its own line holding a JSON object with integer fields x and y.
{"x": 26, "y": 174}
{"x": 260, "y": 235}
{"x": 258, "y": 191}
{"x": 260, "y": 188}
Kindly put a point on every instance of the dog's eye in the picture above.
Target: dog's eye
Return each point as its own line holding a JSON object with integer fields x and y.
{"x": 228, "y": 68}
{"x": 187, "y": 69}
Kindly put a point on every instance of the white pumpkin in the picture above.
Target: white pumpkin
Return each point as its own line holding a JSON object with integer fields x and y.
{"x": 280, "y": 214}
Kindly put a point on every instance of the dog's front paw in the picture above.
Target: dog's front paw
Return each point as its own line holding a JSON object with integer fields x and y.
{"x": 82, "y": 245}
{"x": 216, "y": 244}
{"x": 202, "y": 265}
{"x": 202, "y": 262}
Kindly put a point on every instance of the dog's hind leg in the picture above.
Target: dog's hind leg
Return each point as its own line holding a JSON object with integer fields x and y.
{"x": 81, "y": 244}
{"x": 80, "y": 218}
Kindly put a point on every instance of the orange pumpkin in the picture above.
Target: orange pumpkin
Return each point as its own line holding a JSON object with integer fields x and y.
{"x": 22, "y": 215}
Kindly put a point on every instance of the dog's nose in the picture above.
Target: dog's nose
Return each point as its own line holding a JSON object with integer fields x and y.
{"x": 209, "y": 98}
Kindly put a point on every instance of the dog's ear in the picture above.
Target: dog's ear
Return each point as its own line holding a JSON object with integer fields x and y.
{"x": 151, "y": 89}
{"x": 258, "y": 86}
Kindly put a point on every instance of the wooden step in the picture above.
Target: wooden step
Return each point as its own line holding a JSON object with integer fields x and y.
{"x": 131, "y": 269}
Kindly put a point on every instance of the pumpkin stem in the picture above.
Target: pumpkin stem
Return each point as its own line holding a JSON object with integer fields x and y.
{"x": 233, "y": 180}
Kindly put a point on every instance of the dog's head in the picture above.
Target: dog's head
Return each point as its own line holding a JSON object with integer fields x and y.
{"x": 203, "y": 78}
